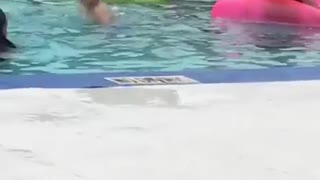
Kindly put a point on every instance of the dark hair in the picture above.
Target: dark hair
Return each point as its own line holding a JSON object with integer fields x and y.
{"x": 4, "y": 42}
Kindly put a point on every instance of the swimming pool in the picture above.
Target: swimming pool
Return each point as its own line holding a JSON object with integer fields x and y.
{"x": 179, "y": 36}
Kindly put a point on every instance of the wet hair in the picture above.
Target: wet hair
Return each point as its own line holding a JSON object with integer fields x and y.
{"x": 4, "y": 42}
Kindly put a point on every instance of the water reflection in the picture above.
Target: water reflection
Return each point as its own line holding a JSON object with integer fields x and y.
{"x": 282, "y": 44}
{"x": 172, "y": 37}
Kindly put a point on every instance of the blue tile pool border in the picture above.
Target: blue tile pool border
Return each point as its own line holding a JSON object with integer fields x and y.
{"x": 97, "y": 80}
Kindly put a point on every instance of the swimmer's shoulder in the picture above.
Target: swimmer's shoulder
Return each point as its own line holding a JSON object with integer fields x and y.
{"x": 103, "y": 13}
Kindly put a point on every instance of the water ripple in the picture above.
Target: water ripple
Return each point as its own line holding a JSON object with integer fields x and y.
{"x": 54, "y": 39}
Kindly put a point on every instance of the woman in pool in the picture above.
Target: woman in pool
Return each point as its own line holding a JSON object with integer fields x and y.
{"x": 97, "y": 11}
{"x": 5, "y": 44}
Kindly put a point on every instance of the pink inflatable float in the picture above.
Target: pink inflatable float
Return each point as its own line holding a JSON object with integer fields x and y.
{"x": 267, "y": 11}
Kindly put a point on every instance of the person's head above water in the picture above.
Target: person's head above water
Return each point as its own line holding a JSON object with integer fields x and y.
{"x": 97, "y": 10}
{"x": 4, "y": 42}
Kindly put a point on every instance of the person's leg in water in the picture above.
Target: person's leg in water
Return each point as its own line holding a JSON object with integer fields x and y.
{"x": 4, "y": 42}
{"x": 97, "y": 11}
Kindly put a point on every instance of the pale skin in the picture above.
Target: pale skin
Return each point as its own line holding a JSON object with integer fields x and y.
{"x": 97, "y": 11}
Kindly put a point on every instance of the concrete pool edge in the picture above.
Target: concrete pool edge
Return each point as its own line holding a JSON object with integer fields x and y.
{"x": 98, "y": 80}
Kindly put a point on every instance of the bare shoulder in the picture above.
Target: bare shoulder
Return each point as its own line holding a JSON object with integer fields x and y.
{"x": 103, "y": 13}
{"x": 97, "y": 11}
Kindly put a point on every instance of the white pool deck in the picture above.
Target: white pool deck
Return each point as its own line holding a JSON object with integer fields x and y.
{"x": 252, "y": 131}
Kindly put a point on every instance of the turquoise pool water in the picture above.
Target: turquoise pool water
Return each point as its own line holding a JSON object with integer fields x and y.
{"x": 52, "y": 38}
